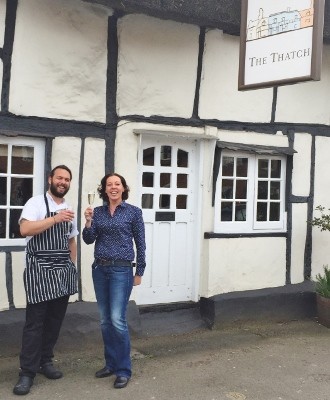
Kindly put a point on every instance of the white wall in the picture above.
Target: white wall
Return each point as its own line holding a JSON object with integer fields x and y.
{"x": 59, "y": 60}
{"x": 157, "y": 67}
{"x": 2, "y": 32}
{"x": 18, "y": 265}
{"x": 2, "y": 20}
{"x": 245, "y": 264}
{"x": 306, "y": 102}
{"x": 321, "y": 240}
{"x": 302, "y": 165}
{"x": 298, "y": 242}
{"x": 3, "y": 289}
{"x": 219, "y": 96}
{"x": 94, "y": 161}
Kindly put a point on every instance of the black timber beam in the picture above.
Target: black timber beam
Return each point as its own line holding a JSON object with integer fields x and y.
{"x": 221, "y": 14}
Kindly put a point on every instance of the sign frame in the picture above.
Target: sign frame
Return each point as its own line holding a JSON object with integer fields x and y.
{"x": 314, "y": 65}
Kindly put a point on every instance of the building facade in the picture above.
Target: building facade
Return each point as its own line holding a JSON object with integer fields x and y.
{"x": 227, "y": 180}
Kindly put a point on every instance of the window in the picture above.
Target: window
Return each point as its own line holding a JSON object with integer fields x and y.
{"x": 21, "y": 177}
{"x": 250, "y": 193}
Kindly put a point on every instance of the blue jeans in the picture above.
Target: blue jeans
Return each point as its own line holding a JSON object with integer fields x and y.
{"x": 113, "y": 286}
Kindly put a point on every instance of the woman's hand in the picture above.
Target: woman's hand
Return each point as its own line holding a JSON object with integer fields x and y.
{"x": 88, "y": 216}
{"x": 137, "y": 280}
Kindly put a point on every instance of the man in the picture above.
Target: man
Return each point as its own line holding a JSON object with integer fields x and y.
{"x": 49, "y": 276}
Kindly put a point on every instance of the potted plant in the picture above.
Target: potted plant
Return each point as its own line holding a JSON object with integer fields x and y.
{"x": 322, "y": 280}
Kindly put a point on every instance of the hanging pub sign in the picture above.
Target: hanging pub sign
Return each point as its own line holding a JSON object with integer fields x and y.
{"x": 281, "y": 42}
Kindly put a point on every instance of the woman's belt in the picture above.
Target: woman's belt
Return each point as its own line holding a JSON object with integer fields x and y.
{"x": 106, "y": 262}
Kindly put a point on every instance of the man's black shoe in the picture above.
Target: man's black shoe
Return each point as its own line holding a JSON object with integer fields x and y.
{"x": 121, "y": 382}
{"x": 103, "y": 373}
{"x": 50, "y": 371}
{"x": 23, "y": 385}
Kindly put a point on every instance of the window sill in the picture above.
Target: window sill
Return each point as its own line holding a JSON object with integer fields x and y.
{"x": 213, "y": 235}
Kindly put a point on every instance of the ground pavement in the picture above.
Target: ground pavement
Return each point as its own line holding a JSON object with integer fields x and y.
{"x": 176, "y": 357}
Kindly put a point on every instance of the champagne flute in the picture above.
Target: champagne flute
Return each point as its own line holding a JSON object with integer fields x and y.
{"x": 71, "y": 208}
{"x": 91, "y": 198}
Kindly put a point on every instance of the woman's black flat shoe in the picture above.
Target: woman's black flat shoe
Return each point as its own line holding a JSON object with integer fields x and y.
{"x": 121, "y": 382}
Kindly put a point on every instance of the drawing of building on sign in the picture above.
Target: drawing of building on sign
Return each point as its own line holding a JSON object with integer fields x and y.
{"x": 258, "y": 28}
{"x": 280, "y": 22}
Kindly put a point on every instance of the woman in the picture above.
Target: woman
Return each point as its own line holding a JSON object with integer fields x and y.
{"x": 113, "y": 227}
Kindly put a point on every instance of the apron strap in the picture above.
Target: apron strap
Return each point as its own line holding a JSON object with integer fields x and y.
{"x": 47, "y": 205}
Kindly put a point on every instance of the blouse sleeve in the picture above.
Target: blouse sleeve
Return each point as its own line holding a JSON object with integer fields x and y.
{"x": 139, "y": 239}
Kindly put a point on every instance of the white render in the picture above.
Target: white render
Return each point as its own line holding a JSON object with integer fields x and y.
{"x": 4, "y": 304}
{"x": 306, "y": 102}
{"x": 18, "y": 262}
{"x": 66, "y": 151}
{"x": 277, "y": 140}
{"x": 301, "y": 164}
{"x": 93, "y": 173}
{"x": 1, "y": 73}
{"x": 59, "y": 60}
{"x": 220, "y": 82}
{"x": 157, "y": 67}
{"x": 299, "y": 231}
{"x": 245, "y": 264}
{"x": 320, "y": 254}
{"x": 2, "y": 20}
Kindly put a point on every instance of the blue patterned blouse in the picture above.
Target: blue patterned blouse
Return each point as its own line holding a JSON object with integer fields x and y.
{"x": 114, "y": 235}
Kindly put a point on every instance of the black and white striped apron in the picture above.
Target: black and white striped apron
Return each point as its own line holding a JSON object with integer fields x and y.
{"x": 49, "y": 272}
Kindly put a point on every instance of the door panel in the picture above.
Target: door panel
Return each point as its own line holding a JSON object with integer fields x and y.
{"x": 168, "y": 186}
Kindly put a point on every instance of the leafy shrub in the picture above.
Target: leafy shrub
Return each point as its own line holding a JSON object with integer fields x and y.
{"x": 322, "y": 282}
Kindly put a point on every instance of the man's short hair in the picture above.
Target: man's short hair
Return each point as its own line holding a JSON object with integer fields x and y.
{"x": 52, "y": 172}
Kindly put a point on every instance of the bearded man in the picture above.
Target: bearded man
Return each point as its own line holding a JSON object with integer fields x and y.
{"x": 50, "y": 276}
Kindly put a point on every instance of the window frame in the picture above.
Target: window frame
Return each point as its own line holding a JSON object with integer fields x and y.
{"x": 37, "y": 178}
{"x": 251, "y": 225}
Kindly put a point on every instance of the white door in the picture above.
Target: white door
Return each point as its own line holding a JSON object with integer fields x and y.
{"x": 168, "y": 180}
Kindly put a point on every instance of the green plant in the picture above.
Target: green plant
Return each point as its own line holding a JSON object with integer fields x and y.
{"x": 322, "y": 282}
{"x": 322, "y": 222}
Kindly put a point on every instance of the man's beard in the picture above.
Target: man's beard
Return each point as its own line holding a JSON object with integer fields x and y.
{"x": 56, "y": 193}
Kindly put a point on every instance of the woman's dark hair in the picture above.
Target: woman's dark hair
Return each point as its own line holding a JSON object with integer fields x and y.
{"x": 52, "y": 172}
{"x": 102, "y": 187}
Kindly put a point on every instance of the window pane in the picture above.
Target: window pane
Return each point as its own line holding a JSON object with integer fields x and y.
{"x": 147, "y": 200}
{"x": 262, "y": 212}
{"x": 165, "y": 180}
{"x": 240, "y": 212}
{"x": 275, "y": 190}
{"x": 2, "y": 224}
{"x": 181, "y": 202}
{"x": 275, "y": 168}
{"x": 14, "y": 232}
{"x": 263, "y": 168}
{"x": 241, "y": 189}
{"x": 242, "y": 167}
{"x": 182, "y": 181}
{"x": 182, "y": 158}
{"x": 3, "y": 158}
{"x": 22, "y": 160}
{"x": 263, "y": 190}
{"x": 148, "y": 179}
{"x": 227, "y": 189}
{"x": 149, "y": 156}
{"x": 3, "y": 191}
{"x": 226, "y": 211}
{"x": 228, "y": 166}
{"x": 21, "y": 191}
{"x": 164, "y": 201}
{"x": 274, "y": 212}
{"x": 166, "y": 156}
